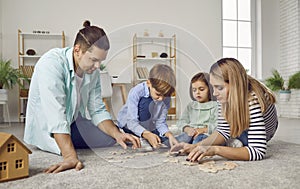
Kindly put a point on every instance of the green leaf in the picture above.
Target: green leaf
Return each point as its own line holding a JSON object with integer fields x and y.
{"x": 276, "y": 82}
{"x": 294, "y": 81}
{"x": 9, "y": 76}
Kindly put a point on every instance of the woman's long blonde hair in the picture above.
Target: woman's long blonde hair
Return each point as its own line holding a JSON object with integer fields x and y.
{"x": 236, "y": 109}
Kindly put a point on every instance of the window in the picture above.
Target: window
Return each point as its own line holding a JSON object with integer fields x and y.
{"x": 11, "y": 147}
{"x": 19, "y": 164}
{"x": 3, "y": 166}
{"x": 237, "y": 27}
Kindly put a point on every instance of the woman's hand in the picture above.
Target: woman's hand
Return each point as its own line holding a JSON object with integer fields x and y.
{"x": 69, "y": 163}
{"x": 200, "y": 152}
{"x": 121, "y": 138}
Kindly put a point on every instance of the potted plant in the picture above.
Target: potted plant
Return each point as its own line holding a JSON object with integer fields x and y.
{"x": 294, "y": 81}
{"x": 276, "y": 83}
{"x": 9, "y": 77}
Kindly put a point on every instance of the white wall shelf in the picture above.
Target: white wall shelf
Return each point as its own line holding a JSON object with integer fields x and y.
{"x": 40, "y": 42}
{"x": 146, "y": 53}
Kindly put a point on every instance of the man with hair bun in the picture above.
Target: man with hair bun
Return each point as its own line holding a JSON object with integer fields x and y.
{"x": 64, "y": 85}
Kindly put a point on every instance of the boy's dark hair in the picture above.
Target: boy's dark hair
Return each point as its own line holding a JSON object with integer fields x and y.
{"x": 162, "y": 79}
{"x": 204, "y": 77}
{"x": 91, "y": 36}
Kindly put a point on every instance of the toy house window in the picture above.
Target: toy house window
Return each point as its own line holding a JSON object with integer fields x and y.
{"x": 11, "y": 147}
{"x": 19, "y": 164}
{"x": 3, "y": 166}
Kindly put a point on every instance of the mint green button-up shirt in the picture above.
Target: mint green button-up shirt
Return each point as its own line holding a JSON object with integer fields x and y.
{"x": 199, "y": 115}
{"x": 52, "y": 99}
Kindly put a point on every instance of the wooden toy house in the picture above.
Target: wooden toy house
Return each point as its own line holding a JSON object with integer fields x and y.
{"x": 14, "y": 160}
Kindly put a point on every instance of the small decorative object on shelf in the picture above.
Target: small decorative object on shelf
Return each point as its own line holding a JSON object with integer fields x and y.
{"x": 154, "y": 54}
{"x": 24, "y": 92}
{"x": 146, "y": 33}
{"x": 163, "y": 55}
{"x": 40, "y": 32}
{"x": 160, "y": 34}
{"x": 30, "y": 52}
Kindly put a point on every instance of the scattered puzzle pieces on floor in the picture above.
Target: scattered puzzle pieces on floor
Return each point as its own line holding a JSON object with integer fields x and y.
{"x": 121, "y": 156}
{"x": 230, "y": 165}
{"x": 207, "y": 165}
{"x": 171, "y": 160}
{"x": 212, "y": 167}
{"x": 115, "y": 161}
{"x": 188, "y": 163}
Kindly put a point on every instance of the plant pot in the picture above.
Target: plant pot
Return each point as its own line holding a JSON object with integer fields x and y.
{"x": 284, "y": 95}
{"x": 3, "y": 95}
{"x": 24, "y": 92}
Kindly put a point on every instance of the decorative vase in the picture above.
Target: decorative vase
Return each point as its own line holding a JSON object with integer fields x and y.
{"x": 284, "y": 95}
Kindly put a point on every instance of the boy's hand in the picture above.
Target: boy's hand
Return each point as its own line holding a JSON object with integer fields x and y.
{"x": 153, "y": 139}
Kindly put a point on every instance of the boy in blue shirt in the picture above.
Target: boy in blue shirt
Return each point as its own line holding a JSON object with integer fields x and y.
{"x": 146, "y": 109}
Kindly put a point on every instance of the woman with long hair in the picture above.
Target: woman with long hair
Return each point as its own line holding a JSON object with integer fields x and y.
{"x": 247, "y": 117}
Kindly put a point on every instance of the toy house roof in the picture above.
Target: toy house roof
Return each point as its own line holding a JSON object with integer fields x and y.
{"x": 6, "y": 136}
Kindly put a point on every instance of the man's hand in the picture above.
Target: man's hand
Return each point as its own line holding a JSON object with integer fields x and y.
{"x": 68, "y": 152}
{"x": 153, "y": 139}
{"x": 121, "y": 138}
{"x": 108, "y": 127}
{"x": 65, "y": 165}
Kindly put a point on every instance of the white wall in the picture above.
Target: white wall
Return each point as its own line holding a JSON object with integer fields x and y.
{"x": 197, "y": 24}
{"x": 1, "y": 28}
{"x": 270, "y": 36}
{"x": 289, "y": 53}
{"x": 1, "y": 106}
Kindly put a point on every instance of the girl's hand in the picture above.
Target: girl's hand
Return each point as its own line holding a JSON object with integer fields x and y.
{"x": 190, "y": 131}
{"x": 183, "y": 148}
{"x": 199, "y": 131}
{"x": 172, "y": 140}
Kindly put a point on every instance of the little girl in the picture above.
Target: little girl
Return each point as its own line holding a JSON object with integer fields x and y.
{"x": 200, "y": 116}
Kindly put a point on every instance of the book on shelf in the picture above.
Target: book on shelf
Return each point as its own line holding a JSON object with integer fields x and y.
{"x": 27, "y": 70}
{"x": 142, "y": 72}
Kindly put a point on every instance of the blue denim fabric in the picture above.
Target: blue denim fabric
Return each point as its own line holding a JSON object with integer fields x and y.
{"x": 199, "y": 138}
{"x": 244, "y": 138}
